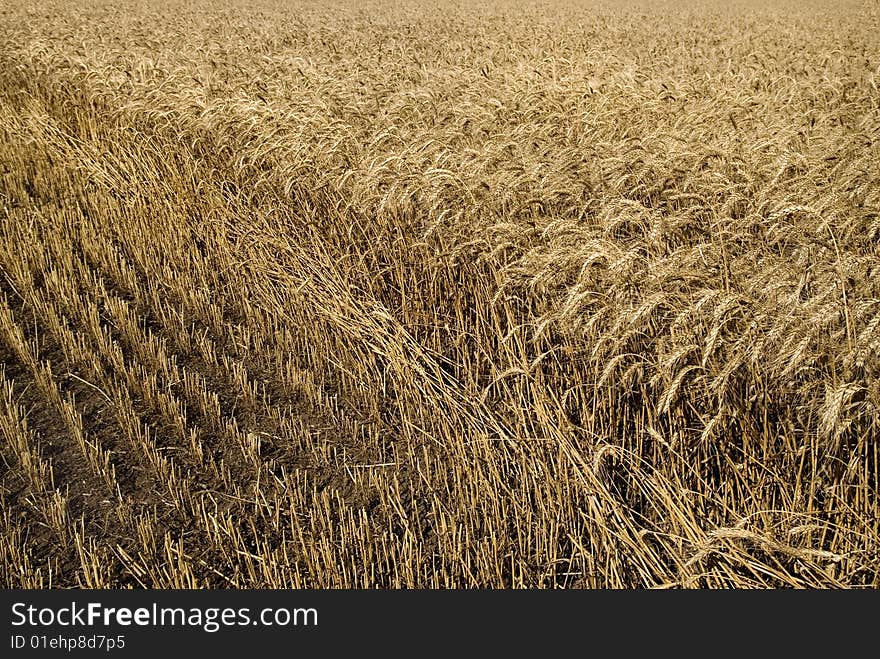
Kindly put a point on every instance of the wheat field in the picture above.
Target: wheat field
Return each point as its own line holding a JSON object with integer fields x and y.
{"x": 439, "y": 294}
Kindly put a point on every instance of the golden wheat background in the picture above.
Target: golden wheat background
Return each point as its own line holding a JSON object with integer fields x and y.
{"x": 322, "y": 294}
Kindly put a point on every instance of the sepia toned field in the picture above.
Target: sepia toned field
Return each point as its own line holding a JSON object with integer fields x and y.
{"x": 439, "y": 294}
